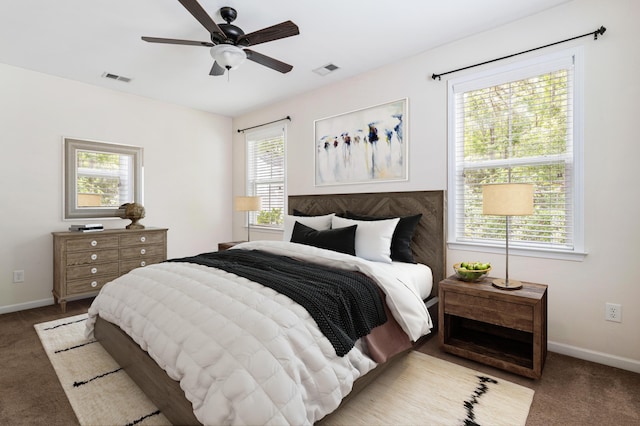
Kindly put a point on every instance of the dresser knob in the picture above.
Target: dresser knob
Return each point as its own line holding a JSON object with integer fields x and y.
{"x": 94, "y": 243}
{"x": 94, "y": 283}
{"x": 142, "y": 251}
{"x": 143, "y": 239}
{"x": 94, "y": 256}
{"x": 143, "y": 263}
{"x": 94, "y": 270}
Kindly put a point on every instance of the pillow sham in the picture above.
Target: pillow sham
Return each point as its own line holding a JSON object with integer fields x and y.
{"x": 319, "y": 223}
{"x": 402, "y": 236}
{"x": 342, "y": 240}
{"x": 373, "y": 238}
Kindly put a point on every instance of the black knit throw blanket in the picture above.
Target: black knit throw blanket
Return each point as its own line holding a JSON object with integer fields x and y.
{"x": 346, "y": 305}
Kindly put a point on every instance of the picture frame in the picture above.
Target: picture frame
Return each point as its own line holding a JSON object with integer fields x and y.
{"x": 367, "y": 145}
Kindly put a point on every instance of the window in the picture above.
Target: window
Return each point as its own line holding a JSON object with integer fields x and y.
{"x": 265, "y": 174}
{"x": 99, "y": 177}
{"x": 518, "y": 124}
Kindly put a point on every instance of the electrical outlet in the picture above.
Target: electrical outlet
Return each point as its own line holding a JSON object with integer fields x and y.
{"x": 613, "y": 312}
{"x": 18, "y": 276}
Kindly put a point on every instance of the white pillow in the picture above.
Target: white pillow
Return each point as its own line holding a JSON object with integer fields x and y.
{"x": 319, "y": 223}
{"x": 373, "y": 237}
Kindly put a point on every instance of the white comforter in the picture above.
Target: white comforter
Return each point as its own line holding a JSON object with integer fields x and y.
{"x": 243, "y": 353}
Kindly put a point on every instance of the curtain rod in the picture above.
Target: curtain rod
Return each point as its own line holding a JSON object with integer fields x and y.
{"x": 595, "y": 34}
{"x": 264, "y": 124}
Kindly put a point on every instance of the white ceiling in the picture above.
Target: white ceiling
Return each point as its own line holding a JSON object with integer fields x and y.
{"x": 82, "y": 39}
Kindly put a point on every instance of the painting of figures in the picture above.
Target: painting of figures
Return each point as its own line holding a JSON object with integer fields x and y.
{"x": 363, "y": 146}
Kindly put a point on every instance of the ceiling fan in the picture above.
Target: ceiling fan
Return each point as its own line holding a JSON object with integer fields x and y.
{"x": 228, "y": 42}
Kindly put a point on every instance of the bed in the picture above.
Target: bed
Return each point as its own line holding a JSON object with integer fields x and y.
{"x": 345, "y": 374}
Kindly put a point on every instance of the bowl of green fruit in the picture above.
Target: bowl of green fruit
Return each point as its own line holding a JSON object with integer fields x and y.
{"x": 471, "y": 271}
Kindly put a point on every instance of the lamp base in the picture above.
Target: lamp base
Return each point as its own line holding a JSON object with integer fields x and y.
{"x": 506, "y": 285}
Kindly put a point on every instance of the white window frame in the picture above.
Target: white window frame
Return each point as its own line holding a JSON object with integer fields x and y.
{"x": 265, "y": 132}
{"x": 512, "y": 72}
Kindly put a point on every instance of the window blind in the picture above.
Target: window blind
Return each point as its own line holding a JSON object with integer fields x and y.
{"x": 266, "y": 174}
{"x": 103, "y": 179}
{"x": 516, "y": 127}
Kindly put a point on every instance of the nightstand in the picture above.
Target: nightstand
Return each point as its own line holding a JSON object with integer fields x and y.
{"x": 228, "y": 245}
{"x": 506, "y": 329}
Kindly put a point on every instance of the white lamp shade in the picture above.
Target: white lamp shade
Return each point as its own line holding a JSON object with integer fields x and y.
{"x": 228, "y": 56}
{"x": 247, "y": 204}
{"x": 507, "y": 199}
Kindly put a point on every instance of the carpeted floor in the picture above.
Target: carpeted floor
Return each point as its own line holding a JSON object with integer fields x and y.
{"x": 416, "y": 386}
{"x": 570, "y": 392}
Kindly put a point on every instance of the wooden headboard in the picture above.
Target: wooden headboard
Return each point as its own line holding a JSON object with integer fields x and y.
{"x": 428, "y": 243}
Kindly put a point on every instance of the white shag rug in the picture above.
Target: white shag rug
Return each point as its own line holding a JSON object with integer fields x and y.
{"x": 418, "y": 389}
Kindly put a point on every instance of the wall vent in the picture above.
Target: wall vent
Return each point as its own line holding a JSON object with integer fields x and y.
{"x": 326, "y": 69}
{"x": 116, "y": 77}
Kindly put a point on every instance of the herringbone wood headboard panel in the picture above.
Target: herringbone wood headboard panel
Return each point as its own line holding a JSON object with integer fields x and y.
{"x": 428, "y": 243}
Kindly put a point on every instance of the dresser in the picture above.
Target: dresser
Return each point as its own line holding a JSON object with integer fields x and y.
{"x": 85, "y": 261}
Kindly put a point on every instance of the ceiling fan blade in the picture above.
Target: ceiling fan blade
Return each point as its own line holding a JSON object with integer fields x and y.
{"x": 177, "y": 41}
{"x": 275, "y": 32}
{"x": 267, "y": 61}
{"x": 216, "y": 69}
{"x": 203, "y": 17}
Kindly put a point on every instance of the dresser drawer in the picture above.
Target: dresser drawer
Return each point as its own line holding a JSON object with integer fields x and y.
{"x": 92, "y": 242}
{"x": 492, "y": 311}
{"x": 87, "y": 271}
{"x": 129, "y": 265}
{"x": 142, "y": 252}
{"x": 141, "y": 238}
{"x": 92, "y": 256}
{"x": 88, "y": 285}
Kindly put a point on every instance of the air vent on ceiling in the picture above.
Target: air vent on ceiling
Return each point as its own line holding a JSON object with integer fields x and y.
{"x": 116, "y": 77}
{"x": 326, "y": 69}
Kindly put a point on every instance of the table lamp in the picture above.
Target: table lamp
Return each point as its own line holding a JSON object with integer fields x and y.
{"x": 507, "y": 199}
{"x": 247, "y": 204}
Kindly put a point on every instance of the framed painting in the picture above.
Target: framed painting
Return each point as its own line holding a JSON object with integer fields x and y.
{"x": 364, "y": 146}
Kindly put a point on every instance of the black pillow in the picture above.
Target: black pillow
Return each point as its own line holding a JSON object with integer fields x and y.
{"x": 401, "y": 239}
{"x": 342, "y": 240}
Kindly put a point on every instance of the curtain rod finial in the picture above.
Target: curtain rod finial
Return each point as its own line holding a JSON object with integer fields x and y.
{"x": 599, "y": 31}
{"x": 438, "y": 76}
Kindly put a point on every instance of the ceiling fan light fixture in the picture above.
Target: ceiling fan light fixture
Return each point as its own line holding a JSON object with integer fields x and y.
{"x": 228, "y": 56}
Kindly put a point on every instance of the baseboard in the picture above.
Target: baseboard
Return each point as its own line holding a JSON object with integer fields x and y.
{"x": 593, "y": 356}
{"x": 28, "y": 305}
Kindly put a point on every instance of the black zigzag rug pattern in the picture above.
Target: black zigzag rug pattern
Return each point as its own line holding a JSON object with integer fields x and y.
{"x": 99, "y": 390}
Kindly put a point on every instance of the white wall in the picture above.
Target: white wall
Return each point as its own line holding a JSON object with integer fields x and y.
{"x": 187, "y": 156}
{"x": 577, "y": 290}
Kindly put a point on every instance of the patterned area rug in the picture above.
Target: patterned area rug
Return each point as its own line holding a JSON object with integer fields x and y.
{"x": 99, "y": 391}
{"x": 418, "y": 389}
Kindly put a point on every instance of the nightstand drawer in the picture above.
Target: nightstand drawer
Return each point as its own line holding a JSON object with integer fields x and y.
{"x": 506, "y": 314}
